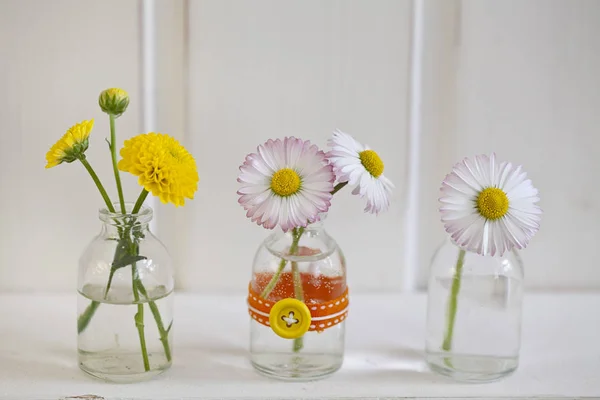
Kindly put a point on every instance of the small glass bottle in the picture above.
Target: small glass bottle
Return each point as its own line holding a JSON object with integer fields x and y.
{"x": 298, "y": 305}
{"x": 474, "y": 314}
{"x": 125, "y": 301}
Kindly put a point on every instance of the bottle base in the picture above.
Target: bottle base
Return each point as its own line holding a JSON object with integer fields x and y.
{"x": 120, "y": 367}
{"x": 296, "y": 367}
{"x": 472, "y": 369}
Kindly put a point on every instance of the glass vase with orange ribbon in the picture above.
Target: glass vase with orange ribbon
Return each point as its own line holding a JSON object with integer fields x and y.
{"x": 298, "y": 302}
{"x": 298, "y": 296}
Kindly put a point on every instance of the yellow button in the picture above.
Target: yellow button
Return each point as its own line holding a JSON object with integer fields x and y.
{"x": 289, "y": 318}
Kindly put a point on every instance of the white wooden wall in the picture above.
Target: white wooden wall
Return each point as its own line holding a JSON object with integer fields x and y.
{"x": 266, "y": 69}
{"x": 517, "y": 77}
{"x": 526, "y": 86}
{"x": 55, "y": 58}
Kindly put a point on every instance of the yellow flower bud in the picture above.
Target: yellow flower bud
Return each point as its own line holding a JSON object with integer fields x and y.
{"x": 114, "y": 101}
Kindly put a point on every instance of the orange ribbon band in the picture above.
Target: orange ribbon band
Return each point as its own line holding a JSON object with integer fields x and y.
{"x": 323, "y": 315}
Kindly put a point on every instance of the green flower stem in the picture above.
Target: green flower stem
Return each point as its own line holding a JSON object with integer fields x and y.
{"x": 120, "y": 252}
{"x": 271, "y": 285}
{"x": 299, "y": 293}
{"x": 86, "y": 316}
{"x": 164, "y": 333}
{"x": 338, "y": 187}
{"x": 139, "y": 317}
{"x": 113, "y": 153}
{"x": 297, "y": 233}
{"x": 139, "y": 323}
{"x": 453, "y": 301}
{"x": 89, "y": 168}
{"x": 140, "y": 201}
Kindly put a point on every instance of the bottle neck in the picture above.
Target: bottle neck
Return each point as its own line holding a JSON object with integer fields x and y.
{"x": 126, "y": 225}
{"x": 127, "y": 228}
{"x": 314, "y": 238}
{"x": 314, "y": 229}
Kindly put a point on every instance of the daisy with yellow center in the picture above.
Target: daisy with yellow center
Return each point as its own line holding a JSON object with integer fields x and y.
{"x": 489, "y": 207}
{"x": 71, "y": 146}
{"x": 287, "y": 183}
{"x": 356, "y": 164}
{"x": 163, "y": 167}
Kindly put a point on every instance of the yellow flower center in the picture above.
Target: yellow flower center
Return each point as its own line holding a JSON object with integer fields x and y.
{"x": 492, "y": 203}
{"x": 372, "y": 163}
{"x": 285, "y": 182}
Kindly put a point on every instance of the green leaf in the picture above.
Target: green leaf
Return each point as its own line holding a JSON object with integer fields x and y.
{"x": 125, "y": 261}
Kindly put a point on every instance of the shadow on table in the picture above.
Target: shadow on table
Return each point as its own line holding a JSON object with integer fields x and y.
{"x": 213, "y": 364}
{"x": 399, "y": 364}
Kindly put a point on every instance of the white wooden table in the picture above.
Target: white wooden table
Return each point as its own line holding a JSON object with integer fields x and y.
{"x": 560, "y": 354}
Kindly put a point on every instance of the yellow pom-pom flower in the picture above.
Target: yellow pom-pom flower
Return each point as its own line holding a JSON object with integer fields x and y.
{"x": 71, "y": 146}
{"x": 113, "y": 101}
{"x": 164, "y": 167}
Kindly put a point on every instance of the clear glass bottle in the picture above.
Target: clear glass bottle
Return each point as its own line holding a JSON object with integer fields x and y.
{"x": 474, "y": 314}
{"x": 125, "y": 300}
{"x": 318, "y": 263}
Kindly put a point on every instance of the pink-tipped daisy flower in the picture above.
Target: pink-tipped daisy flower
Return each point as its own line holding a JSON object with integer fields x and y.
{"x": 357, "y": 164}
{"x": 489, "y": 207}
{"x": 287, "y": 183}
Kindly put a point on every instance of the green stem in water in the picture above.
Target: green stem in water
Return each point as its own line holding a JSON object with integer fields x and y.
{"x": 120, "y": 252}
{"x": 453, "y": 301}
{"x": 299, "y": 293}
{"x": 139, "y": 317}
{"x": 140, "y": 201}
{"x": 271, "y": 285}
{"x": 113, "y": 153}
{"x": 297, "y": 233}
{"x": 96, "y": 180}
{"x": 164, "y": 333}
{"x": 86, "y": 316}
{"x": 84, "y": 319}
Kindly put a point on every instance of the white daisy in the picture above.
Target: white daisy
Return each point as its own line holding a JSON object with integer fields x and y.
{"x": 287, "y": 182}
{"x": 358, "y": 165}
{"x": 489, "y": 207}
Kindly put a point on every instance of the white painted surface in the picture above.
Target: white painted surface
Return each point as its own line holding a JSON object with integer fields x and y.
{"x": 149, "y": 55}
{"x": 438, "y": 129}
{"x": 266, "y": 69}
{"x": 55, "y": 59}
{"x": 526, "y": 86}
{"x": 559, "y": 357}
{"x": 415, "y": 133}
